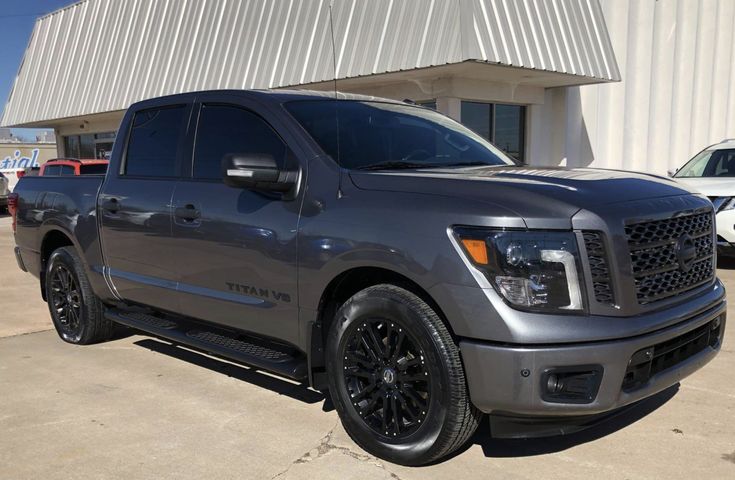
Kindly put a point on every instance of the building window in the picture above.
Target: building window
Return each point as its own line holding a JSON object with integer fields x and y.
{"x": 89, "y": 145}
{"x": 502, "y": 124}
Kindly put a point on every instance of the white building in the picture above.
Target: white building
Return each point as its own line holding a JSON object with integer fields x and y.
{"x": 541, "y": 78}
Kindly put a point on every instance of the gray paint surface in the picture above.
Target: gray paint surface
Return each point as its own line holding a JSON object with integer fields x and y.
{"x": 103, "y": 55}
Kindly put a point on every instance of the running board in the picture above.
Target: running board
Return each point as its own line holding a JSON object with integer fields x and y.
{"x": 240, "y": 348}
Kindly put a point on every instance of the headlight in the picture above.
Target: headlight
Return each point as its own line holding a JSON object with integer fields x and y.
{"x": 532, "y": 270}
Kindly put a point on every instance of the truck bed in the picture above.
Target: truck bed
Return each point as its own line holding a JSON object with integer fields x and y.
{"x": 68, "y": 204}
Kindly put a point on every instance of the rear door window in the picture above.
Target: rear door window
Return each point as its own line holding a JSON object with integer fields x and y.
{"x": 154, "y": 139}
{"x": 224, "y": 129}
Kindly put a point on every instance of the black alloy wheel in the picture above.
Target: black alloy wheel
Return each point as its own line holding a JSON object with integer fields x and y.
{"x": 396, "y": 377}
{"x": 386, "y": 376}
{"x": 77, "y": 313}
{"x": 66, "y": 300}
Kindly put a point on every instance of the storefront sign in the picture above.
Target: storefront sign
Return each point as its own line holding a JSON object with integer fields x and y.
{"x": 19, "y": 162}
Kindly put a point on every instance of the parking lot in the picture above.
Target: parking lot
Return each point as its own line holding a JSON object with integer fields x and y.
{"x": 138, "y": 407}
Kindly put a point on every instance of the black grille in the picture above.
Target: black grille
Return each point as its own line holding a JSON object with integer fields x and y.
{"x": 656, "y": 269}
{"x": 597, "y": 256}
{"x": 649, "y": 361}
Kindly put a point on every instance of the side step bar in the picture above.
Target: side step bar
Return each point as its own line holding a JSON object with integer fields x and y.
{"x": 251, "y": 351}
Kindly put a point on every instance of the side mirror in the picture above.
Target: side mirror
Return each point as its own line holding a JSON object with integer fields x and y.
{"x": 256, "y": 171}
{"x": 672, "y": 172}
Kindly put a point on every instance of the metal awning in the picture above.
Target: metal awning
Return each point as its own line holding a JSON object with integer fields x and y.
{"x": 99, "y": 56}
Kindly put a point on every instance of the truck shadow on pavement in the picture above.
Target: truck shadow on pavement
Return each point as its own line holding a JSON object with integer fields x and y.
{"x": 506, "y": 448}
{"x": 240, "y": 372}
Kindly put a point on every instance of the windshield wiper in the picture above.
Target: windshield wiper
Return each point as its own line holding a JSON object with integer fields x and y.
{"x": 394, "y": 165}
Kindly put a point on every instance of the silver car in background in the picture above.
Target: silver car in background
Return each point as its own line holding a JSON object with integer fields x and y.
{"x": 4, "y": 191}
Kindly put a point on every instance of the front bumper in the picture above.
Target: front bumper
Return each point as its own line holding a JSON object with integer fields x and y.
{"x": 512, "y": 379}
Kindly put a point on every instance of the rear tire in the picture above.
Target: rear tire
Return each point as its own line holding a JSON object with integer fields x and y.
{"x": 77, "y": 313}
{"x": 396, "y": 378}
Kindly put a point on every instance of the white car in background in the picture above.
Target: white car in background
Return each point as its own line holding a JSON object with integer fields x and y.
{"x": 712, "y": 172}
{"x": 4, "y": 191}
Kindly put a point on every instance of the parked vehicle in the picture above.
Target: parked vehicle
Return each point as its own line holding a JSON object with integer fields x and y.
{"x": 30, "y": 171}
{"x": 4, "y": 192}
{"x": 386, "y": 253}
{"x": 712, "y": 172}
{"x": 73, "y": 166}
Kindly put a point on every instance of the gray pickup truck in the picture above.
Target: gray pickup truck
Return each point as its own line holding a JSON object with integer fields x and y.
{"x": 384, "y": 252}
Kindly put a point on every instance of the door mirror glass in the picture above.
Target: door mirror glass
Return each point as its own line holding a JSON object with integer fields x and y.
{"x": 257, "y": 171}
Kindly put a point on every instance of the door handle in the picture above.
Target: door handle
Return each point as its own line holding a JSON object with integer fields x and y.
{"x": 188, "y": 213}
{"x": 112, "y": 205}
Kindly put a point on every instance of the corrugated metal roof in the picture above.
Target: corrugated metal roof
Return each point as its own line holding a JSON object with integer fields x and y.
{"x": 102, "y": 55}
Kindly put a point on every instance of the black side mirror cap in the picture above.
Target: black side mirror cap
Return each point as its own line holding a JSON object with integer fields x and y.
{"x": 257, "y": 172}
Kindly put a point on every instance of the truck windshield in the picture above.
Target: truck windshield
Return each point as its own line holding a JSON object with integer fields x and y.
{"x": 381, "y": 135}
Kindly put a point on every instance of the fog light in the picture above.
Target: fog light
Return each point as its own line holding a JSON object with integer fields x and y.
{"x": 715, "y": 332}
{"x": 578, "y": 384}
{"x": 553, "y": 385}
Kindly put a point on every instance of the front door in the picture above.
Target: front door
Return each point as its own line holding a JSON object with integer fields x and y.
{"x": 236, "y": 248}
{"x": 135, "y": 208}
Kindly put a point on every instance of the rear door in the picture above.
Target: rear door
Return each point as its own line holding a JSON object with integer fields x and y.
{"x": 135, "y": 206}
{"x": 236, "y": 248}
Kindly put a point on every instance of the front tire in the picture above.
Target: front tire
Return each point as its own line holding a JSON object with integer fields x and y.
{"x": 77, "y": 313}
{"x": 396, "y": 378}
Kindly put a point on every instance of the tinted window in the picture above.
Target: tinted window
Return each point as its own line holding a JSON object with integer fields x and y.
{"x": 509, "y": 133}
{"x": 503, "y": 125}
{"x": 86, "y": 146}
{"x": 52, "y": 170}
{"x": 67, "y": 170}
{"x": 153, "y": 142}
{"x": 71, "y": 146}
{"x": 377, "y": 135}
{"x": 226, "y": 129}
{"x": 94, "y": 169}
{"x": 478, "y": 117}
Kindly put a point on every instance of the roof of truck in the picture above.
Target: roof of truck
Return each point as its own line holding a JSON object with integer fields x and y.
{"x": 280, "y": 95}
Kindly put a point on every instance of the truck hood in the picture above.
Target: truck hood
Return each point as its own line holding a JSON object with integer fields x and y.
{"x": 710, "y": 186}
{"x": 542, "y": 196}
